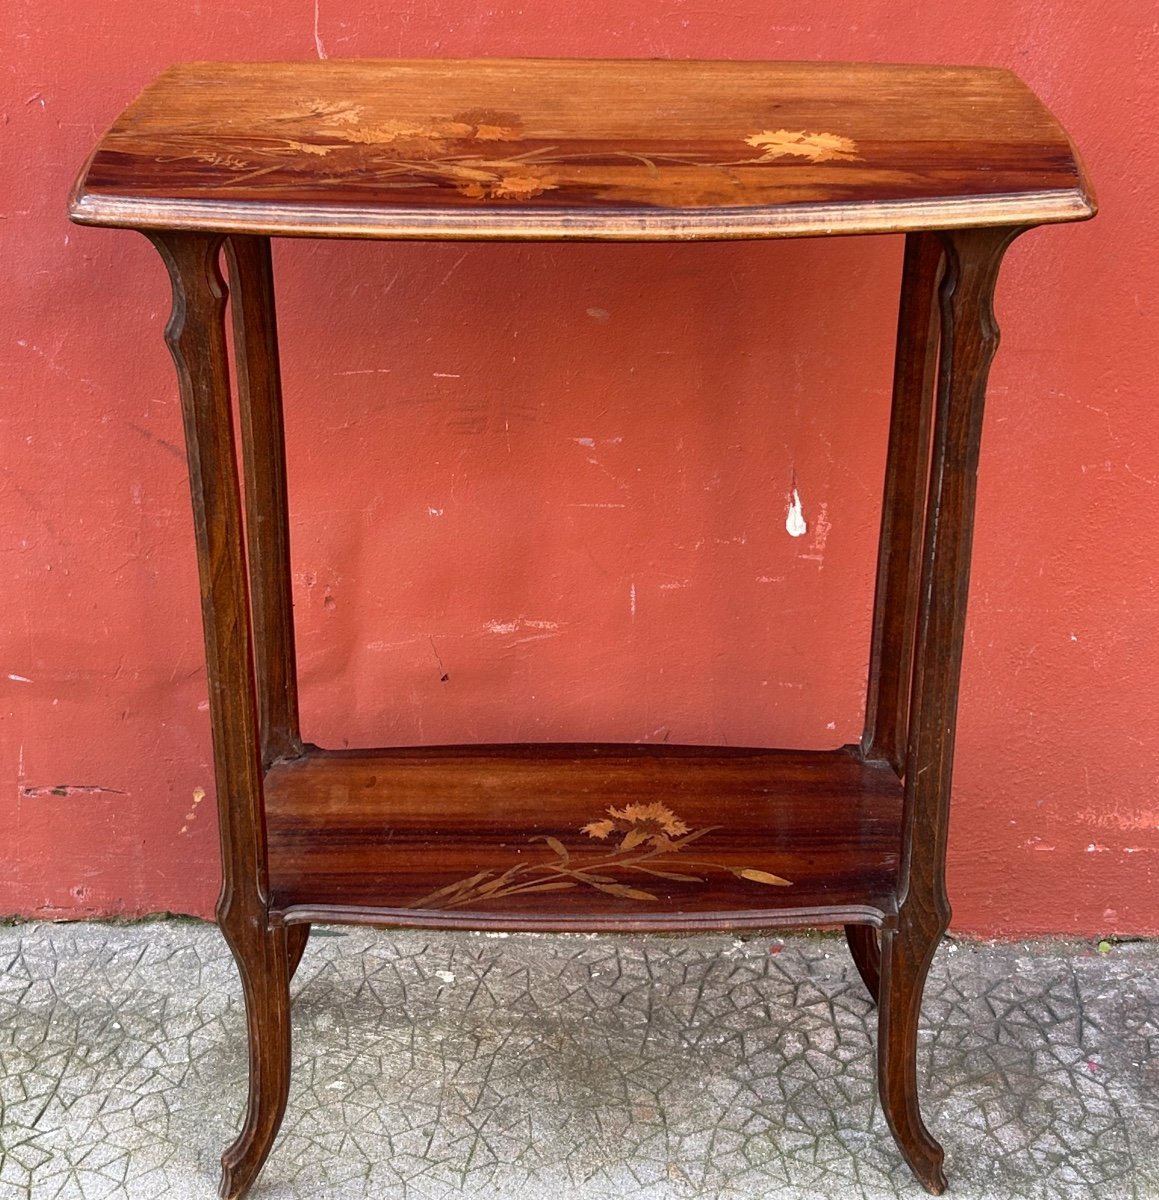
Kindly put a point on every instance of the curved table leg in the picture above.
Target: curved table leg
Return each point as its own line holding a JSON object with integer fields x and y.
{"x": 196, "y": 338}
{"x": 969, "y": 338}
{"x": 906, "y": 954}
{"x": 263, "y": 962}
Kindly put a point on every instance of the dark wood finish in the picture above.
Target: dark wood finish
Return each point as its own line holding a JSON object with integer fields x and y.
{"x": 865, "y": 949}
{"x": 259, "y": 391}
{"x": 296, "y": 938}
{"x": 969, "y": 336}
{"x": 903, "y": 506}
{"x": 566, "y": 148}
{"x": 390, "y": 833}
{"x": 196, "y": 339}
{"x": 583, "y": 837}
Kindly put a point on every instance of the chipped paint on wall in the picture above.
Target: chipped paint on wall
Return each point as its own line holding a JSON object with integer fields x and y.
{"x": 795, "y": 524}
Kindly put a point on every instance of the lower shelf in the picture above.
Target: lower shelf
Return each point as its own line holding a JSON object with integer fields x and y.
{"x": 583, "y": 837}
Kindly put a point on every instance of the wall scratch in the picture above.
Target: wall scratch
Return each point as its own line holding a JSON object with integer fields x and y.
{"x": 71, "y": 789}
{"x": 317, "y": 36}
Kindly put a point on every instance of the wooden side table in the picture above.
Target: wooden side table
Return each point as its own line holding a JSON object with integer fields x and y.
{"x": 582, "y": 837}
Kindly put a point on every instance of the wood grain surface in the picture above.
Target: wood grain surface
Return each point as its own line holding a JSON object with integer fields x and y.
{"x": 583, "y": 836}
{"x": 543, "y": 148}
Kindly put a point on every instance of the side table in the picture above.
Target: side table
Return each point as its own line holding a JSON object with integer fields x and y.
{"x": 224, "y": 156}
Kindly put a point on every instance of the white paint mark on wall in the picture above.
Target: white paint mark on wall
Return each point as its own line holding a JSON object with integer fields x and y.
{"x": 434, "y": 512}
{"x": 19, "y": 678}
{"x": 198, "y": 796}
{"x": 590, "y": 443}
{"x": 632, "y": 600}
{"x": 317, "y": 36}
{"x": 821, "y": 528}
{"x": 1128, "y": 820}
{"x": 661, "y": 732}
{"x": 520, "y": 624}
{"x": 445, "y": 375}
{"x": 795, "y": 524}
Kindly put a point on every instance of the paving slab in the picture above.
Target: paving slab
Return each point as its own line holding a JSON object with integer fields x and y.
{"x": 432, "y": 1066}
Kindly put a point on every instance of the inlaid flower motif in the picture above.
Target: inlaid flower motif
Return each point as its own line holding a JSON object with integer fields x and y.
{"x": 654, "y": 823}
{"x": 642, "y": 839}
{"x": 800, "y": 143}
{"x": 518, "y": 183}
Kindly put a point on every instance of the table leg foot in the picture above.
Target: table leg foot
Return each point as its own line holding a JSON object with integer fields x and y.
{"x": 263, "y": 963}
{"x": 906, "y": 953}
{"x": 865, "y": 948}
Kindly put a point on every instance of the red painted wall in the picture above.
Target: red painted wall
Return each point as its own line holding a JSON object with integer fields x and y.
{"x": 558, "y": 475}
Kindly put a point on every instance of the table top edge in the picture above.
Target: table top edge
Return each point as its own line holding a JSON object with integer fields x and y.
{"x": 563, "y": 224}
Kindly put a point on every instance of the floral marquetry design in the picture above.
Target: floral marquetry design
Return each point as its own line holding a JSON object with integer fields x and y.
{"x": 641, "y": 839}
{"x": 471, "y": 152}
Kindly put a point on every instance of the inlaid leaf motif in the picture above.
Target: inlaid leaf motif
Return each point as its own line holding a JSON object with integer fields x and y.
{"x": 334, "y": 112}
{"x": 491, "y": 125}
{"x": 383, "y": 133}
{"x": 558, "y": 847}
{"x": 522, "y": 185}
{"x": 761, "y": 877}
{"x": 447, "y": 893}
{"x": 309, "y": 148}
{"x": 622, "y": 889}
{"x": 816, "y": 147}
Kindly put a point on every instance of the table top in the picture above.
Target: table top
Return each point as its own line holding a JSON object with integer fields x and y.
{"x": 638, "y": 149}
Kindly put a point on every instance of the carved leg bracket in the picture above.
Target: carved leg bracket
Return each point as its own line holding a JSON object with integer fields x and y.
{"x": 296, "y": 938}
{"x": 865, "y": 947}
